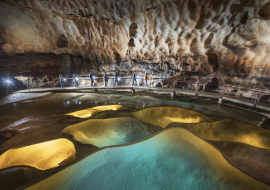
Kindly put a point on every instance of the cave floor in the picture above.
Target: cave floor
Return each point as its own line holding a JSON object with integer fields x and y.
{"x": 42, "y": 119}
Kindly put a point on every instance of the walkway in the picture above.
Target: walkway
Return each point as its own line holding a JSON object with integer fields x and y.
{"x": 243, "y": 101}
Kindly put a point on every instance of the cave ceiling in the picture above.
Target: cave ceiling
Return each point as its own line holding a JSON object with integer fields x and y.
{"x": 226, "y": 37}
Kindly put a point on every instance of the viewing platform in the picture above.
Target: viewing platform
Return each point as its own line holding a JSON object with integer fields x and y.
{"x": 233, "y": 99}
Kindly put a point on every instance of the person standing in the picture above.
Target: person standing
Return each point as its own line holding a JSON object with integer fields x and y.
{"x": 145, "y": 80}
{"x": 91, "y": 79}
{"x": 75, "y": 80}
{"x": 116, "y": 79}
{"x": 134, "y": 78}
{"x": 62, "y": 82}
{"x": 105, "y": 79}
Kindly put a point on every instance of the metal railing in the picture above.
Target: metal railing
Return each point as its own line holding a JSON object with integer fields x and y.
{"x": 259, "y": 92}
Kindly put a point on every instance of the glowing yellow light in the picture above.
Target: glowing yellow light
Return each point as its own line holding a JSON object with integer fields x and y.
{"x": 84, "y": 113}
{"x": 183, "y": 120}
{"x": 229, "y": 130}
{"x": 109, "y": 107}
{"x": 170, "y": 143}
{"x": 42, "y": 156}
{"x": 87, "y": 113}
{"x": 106, "y": 132}
{"x": 162, "y": 116}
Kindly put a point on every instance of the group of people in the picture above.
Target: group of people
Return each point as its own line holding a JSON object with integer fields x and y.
{"x": 105, "y": 79}
{"x": 134, "y": 79}
{"x": 63, "y": 80}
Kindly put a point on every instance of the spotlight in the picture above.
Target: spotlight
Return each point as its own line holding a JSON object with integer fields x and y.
{"x": 65, "y": 79}
{"x": 67, "y": 102}
{"x": 119, "y": 78}
{"x": 8, "y": 81}
{"x": 76, "y": 78}
{"x": 94, "y": 78}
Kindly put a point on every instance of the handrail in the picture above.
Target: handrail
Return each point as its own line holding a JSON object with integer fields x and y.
{"x": 259, "y": 92}
{"x": 241, "y": 87}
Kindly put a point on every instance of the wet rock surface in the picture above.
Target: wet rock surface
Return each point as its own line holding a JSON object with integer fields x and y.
{"x": 249, "y": 158}
{"x": 182, "y": 41}
{"x": 172, "y": 152}
{"x": 43, "y": 119}
{"x": 227, "y": 39}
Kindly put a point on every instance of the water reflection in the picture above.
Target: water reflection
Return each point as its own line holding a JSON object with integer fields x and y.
{"x": 63, "y": 103}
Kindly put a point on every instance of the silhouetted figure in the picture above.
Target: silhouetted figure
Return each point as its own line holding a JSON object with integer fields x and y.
{"x": 62, "y": 82}
{"x": 134, "y": 78}
{"x": 145, "y": 80}
{"x": 116, "y": 79}
{"x": 91, "y": 79}
{"x": 75, "y": 80}
{"x": 105, "y": 79}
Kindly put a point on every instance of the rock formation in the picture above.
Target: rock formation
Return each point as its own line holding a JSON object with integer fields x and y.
{"x": 228, "y": 130}
{"x": 42, "y": 156}
{"x": 163, "y": 116}
{"x": 89, "y": 112}
{"x": 108, "y": 132}
{"x": 226, "y": 38}
{"x": 153, "y": 163}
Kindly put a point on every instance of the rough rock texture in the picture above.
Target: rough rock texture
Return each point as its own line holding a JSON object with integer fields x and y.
{"x": 108, "y": 132}
{"x": 89, "y": 112}
{"x": 163, "y": 116}
{"x": 228, "y": 38}
{"x": 249, "y": 158}
{"x": 42, "y": 156}
{"x": 229, "y": 130}
{"x": 154, "y": 163}
{"x": 20, "y": 97}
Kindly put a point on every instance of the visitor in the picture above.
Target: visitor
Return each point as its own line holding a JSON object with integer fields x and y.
{"x": 116, "y": 79}
{"x": 134, "y": 78}
{"x": 62, "y": 82}
{"x": 91, "y": 79}
{"x": 145, "y": 80}
{"x": 105, "y": 79}
{"x": 75, "y": 80}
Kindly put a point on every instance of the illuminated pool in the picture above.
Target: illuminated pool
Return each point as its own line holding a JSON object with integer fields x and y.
{"x": 127, "y": 141}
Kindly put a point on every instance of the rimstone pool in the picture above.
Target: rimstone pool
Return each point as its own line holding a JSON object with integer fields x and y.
{"x": 123, "y": 141}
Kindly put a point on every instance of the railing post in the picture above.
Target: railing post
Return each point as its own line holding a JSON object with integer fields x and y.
{"x": 222, "y": 95}
{"x": 260, "y": 95}
{"x": 28, "y": 85}
{"x": 133, "y": 90}
{"x": 52, "y": 85}
{"x": 196, "y": 89}
{"x": 173, "y": 92}
{"x": 256, "y": 99}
